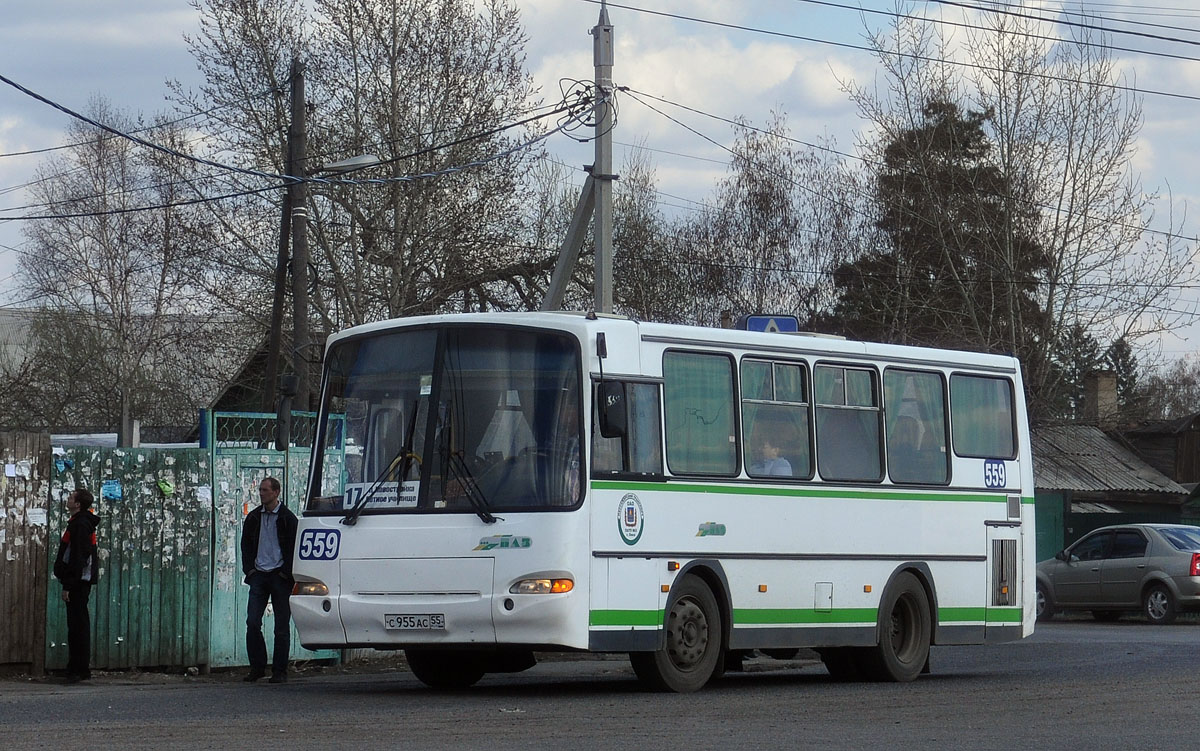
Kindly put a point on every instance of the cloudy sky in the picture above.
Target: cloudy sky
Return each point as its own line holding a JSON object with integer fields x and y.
{"x": 71, "y": 50}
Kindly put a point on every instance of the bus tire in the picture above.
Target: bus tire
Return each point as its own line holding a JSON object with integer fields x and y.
{"x": 693, "y": 635}
{"x": 905, "y": 626}
{"x": 445, "y": 670}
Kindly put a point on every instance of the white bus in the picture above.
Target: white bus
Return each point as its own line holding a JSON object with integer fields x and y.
{"x": 521, "y": 482}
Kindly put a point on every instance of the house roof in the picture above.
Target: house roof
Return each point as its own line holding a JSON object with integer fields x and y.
{"x": 1083, "y": 458}
{"x": 1167, "y": 427}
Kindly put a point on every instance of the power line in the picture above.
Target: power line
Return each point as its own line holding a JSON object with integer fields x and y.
{"x": 1026, "y": 34}
{"x": 1075, "y": 24}
{"x": 153, "y": 126}
{"x": 923, "y": 58}
{"x": 1116, "y": 9}
{"x": 870, "y": 162}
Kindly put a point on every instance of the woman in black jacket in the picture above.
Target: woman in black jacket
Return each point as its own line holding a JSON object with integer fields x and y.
{"x": 76, "y": 567}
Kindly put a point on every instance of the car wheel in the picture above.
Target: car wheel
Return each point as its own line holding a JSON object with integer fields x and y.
{"x": 1045, "y": 605}
{"x": 1158, "y": 604}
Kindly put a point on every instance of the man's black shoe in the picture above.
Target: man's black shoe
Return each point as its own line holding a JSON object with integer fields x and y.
{"x": 254, "y": 675}
{"x": 279, "y": 678}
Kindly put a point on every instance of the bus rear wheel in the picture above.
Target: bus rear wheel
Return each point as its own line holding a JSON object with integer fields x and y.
{"x": 693, "y": 646}
{"x": 904, "y": 633}
{"x": 445, "y": 670}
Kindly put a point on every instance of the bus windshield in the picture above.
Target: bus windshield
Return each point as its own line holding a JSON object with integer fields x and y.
{"x": 456, "y": 419}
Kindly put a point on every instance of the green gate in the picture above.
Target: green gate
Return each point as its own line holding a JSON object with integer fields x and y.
{"x": 243, "y": 454}
{"x": 151, "y": 604}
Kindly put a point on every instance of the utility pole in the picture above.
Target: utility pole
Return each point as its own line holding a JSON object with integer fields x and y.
{"x": 602, "y": 222}
{"x": 281, "y": 261}
{"x": 595, "y": 200}
{"x": 299, "y": 201}
{"x": 292, "y": 166}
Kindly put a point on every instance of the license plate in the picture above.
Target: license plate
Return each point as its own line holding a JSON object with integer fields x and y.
{"x": 426, "y": 622}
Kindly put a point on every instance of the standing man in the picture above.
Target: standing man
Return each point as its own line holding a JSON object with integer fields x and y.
{"x": 268, "y": 541}
{"x": 76, "y": 567}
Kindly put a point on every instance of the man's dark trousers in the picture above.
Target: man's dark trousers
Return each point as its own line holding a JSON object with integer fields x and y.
{"x": 79, "y": 630}
{"x": 274, "y": 587}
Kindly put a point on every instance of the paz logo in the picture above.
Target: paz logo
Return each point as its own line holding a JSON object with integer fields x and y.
{"x": 503, "y": 542}
{"x": 630, "y": 519}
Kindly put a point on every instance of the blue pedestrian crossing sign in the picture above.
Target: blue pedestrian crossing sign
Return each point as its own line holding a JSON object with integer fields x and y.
{"x": 780, "y": 324}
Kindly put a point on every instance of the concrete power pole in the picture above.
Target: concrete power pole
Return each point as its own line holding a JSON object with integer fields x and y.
{"x": 595, "y": 200}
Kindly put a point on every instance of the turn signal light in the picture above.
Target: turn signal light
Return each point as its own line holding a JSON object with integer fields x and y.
{"x": 310, "y": 588}
{"x": 1194, "y": 569}
{"x": 542, "y": 587}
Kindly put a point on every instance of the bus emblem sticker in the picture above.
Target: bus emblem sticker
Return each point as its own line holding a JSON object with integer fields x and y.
{"x": 630, "y": 519}
{"x": 503, "y": 542}
{"x": 711, "y": 529}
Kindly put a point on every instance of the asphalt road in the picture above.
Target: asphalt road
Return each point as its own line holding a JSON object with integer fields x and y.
{"x": 1075, "y": 684}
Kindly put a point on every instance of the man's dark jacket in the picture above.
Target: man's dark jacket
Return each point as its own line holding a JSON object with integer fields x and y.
{"x": 78, "y": 547}
{"x": 285, "y": 525}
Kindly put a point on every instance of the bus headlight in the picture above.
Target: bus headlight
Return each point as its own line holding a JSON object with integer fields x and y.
{"x": 542, "y": 586}
{"x": 310, "y": 588}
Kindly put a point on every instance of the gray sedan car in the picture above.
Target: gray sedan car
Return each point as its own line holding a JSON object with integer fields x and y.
{"x": 1154, "y": 568}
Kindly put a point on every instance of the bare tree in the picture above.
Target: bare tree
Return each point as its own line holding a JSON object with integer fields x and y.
{"x": 1062, "y": 135}
{"x": 125, "y": 332}
{"x": 781, "y": 221}
{"x": 427, "y": 86}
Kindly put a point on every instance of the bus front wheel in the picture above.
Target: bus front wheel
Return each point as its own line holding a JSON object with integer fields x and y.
{"x": 445, "y": 670}
{"x": 692, "y": 651}
{"x": 905, "y": 626}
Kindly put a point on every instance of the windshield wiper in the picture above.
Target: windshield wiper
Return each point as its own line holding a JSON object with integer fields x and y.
{"x": 471, "y": 489}
{"x": 404, "y": 456}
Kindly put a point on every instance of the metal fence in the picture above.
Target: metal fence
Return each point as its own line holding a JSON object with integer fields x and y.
{"x": 151, "y": 604}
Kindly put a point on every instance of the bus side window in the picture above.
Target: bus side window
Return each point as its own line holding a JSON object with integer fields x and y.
{"x": 848, "y": 424}
{"x": 640, "y": 450}
{"x": 775, "y": 415}
{"x": 699, "y": 411}
{"x": 981, "y": 416}
{"x": 915, "y": 416}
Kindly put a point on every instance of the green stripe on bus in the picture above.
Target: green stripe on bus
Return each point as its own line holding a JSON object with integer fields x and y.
{"x": 762, "y": 616}
{"x": 975, "y": 615}
{"x": 747, "y": 616}
{"x": 770, "y": 490}
{"x": 625, "y": 618}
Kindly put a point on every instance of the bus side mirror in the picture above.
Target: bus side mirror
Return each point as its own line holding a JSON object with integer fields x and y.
{"x": 288, "y": 385}
{"x": 610, "y": 406}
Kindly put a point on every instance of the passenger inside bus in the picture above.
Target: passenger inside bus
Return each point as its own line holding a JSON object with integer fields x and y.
{"x": 767, "y": 459}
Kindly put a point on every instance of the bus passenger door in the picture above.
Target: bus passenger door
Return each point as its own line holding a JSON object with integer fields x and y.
{"x": 1003, "y": 577}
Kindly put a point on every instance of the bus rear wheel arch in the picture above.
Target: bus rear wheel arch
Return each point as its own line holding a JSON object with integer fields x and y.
{"x": 905, "y": 630}
{"x": 693, "y": 644}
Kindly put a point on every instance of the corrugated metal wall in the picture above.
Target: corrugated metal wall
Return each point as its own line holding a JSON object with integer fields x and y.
{"x": 240, "y": 462}
{"x": 152, "y": 603}
{"x": 23, "y": 542}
